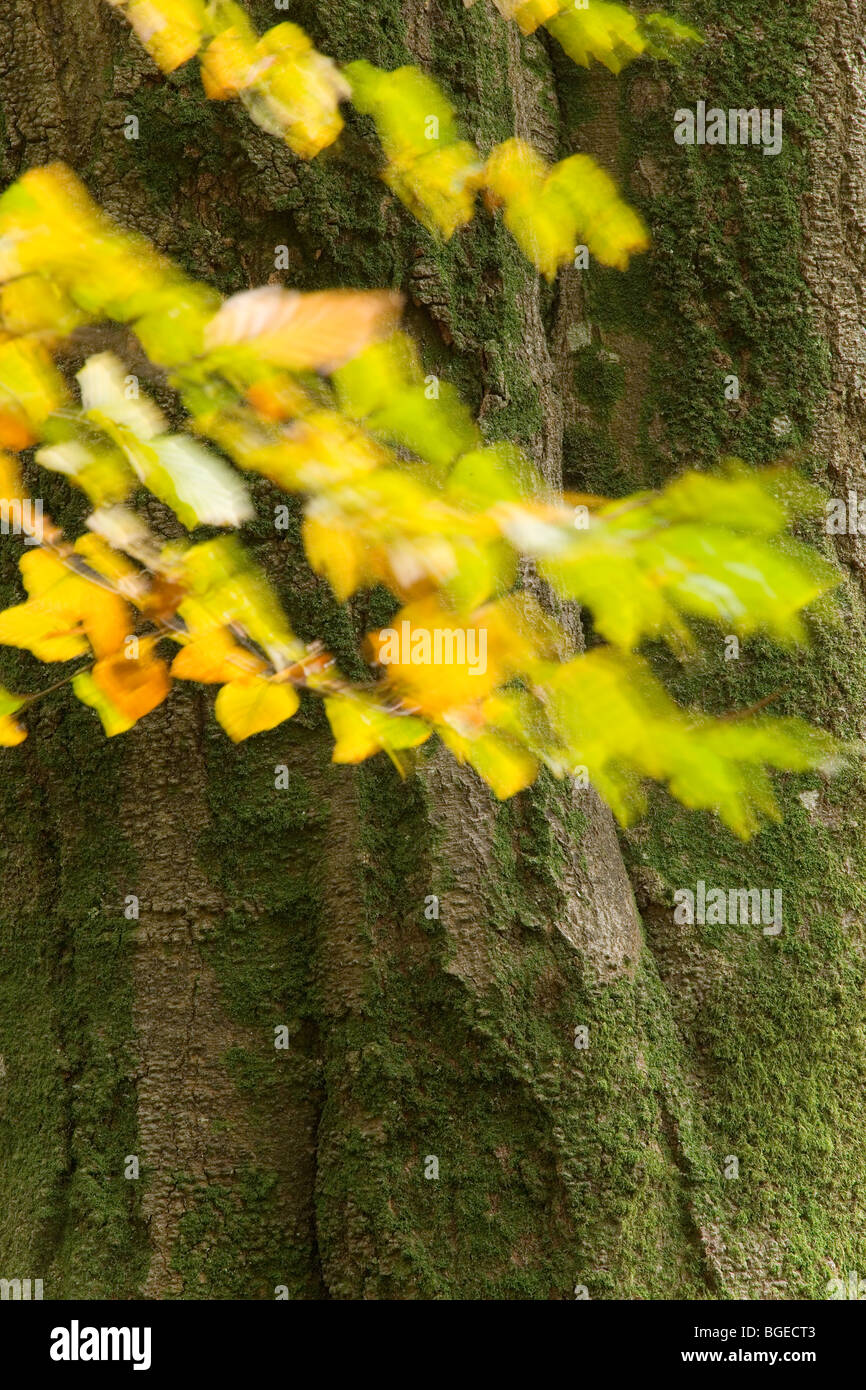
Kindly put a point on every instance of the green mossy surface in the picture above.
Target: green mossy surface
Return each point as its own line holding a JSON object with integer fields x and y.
{"x": 68, "y": 1215}
{"x": 557, "y": 1167}
{"x": 776, "y": 1042}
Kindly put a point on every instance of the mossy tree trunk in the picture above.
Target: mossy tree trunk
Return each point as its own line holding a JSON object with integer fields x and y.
{"x": 411, "y": 1037}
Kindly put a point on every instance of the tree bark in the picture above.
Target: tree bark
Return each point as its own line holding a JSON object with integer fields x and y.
{"x": 412, "y": 1037}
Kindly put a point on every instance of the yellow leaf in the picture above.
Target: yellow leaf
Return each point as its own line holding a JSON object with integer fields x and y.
{"x": 361, "y": 728}
{"x": 301, "y": 331}
{"x": 528, "y": 13}
{"x": 76, "y": 602}
{"x": 579, "y": 188}
{"x": 429, "y": 168}
{"x": 110, "y": 563}
{"x": 226, "y": 587}
{"x": 170, "y": 30}
{"x": 102, "y": 472}
{"x": 439, "y": 187}
{"x": 47, "y": 633}
{"x": 295, "y": 92}
{"x": 227, "y": 63}
{"x": 11, "y": 732}
{"x": 609, "y": 33}
{"x": 505, "y": 768}
{"x": 315, "y": 453}
{"x": 334, "y": 550}
{"x": 550, "y": 210}
{"x": 30, "y": 389}
{"x": 252, "y": 706}
{"x": 441, "y": 660}
{"x": 33, "y": 304}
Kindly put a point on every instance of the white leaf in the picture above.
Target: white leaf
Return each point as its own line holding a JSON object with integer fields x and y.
{"x": 103, "y": 380}
{"x": 207, "y": 489}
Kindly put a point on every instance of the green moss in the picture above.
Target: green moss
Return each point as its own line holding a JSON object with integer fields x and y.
{"x": 591, "y": 461}
{"x": 225, "y": 1247}
{"x": 67, "y": 1213}
{"x": 774, "y": 1036}
{"x": 599, "y": 379}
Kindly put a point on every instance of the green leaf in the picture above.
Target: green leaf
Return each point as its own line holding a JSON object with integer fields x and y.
{"x": 384, "y": 389}
{"x": 9, "y": 703}
{"x": 613, "y": 717}
{"x": 647, "y": 562}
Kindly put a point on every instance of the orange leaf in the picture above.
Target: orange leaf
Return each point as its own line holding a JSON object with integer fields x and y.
{"x": 215, "y": 658}
{"x": 15, "y": 433}
{"x": 277, "y": 398}
{"x": 162, "y": 600}
{"x": 11, "y": 485}
{"x": 301, "y": 331}
{"x": 134, "y": 685}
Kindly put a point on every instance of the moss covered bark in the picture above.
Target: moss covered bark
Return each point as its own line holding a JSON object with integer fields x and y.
{"x": 413, "y": 1037}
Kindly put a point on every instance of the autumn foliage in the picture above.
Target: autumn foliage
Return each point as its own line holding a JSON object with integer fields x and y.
{"x": 324, "y": 395}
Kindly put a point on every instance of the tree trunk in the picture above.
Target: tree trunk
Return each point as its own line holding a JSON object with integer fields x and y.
{"x": 415, "y": 1038}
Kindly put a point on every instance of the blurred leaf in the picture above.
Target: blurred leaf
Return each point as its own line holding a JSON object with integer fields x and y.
{"x": 506, "y": 769}
{"x": 104, "y": 561}
{"x": 301, "y": 331}
{"x": 384, "y": 387}
{"x": 609, "y": 33}
{"x": 528, "y": 13}
{"x": 549, "y": 211}
{"x": 251, "y": 705}
{"x": 11, "y": 485}
{"x": 114, "y": 721}
{"x": 33, "y": 304}
{"x": 228, "y": 59}
{"x": 497, "y": 473}
{"x": 215, "y": 658}
{"x": 107, "y": 390}
{"x": 440, "y": 661}
{"x": 362, "y": 728}
{"x": 170, "y": 30}
{"x": 615, "y": 719}
{"x": 335, "y": 551}
{"x": 51, "y": 635}
{"x": 30, "y": 389}
{"x": 100, "y": 470}
{"x": 429, "y": 168}
{"x": 227, "y": 588}
{"x": 63, "y": 608}
{"x": 648, "y": 561}
{"x": 199, "y": 487}
{"x": 11, "y": 732}
{"x": 133, "y": 685}
{"x": 666, "y": 37}
{"x": 295, "y": 92}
